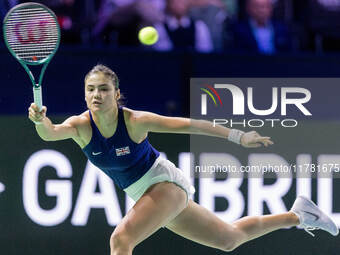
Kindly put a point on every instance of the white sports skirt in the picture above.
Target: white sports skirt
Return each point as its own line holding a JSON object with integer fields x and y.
{"x": 162, "y": 170}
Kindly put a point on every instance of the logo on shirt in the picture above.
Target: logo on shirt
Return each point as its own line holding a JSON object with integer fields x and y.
{"x": 123, "y": 151}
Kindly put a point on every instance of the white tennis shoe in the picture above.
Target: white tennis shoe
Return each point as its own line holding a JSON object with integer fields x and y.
{"x": 312, "y": 218}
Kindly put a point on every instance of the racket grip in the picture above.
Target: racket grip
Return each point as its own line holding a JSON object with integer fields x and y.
{"x": 37, "y": 97}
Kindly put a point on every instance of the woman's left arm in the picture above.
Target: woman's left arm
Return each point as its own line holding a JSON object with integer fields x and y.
{"x": 152, "y": 122}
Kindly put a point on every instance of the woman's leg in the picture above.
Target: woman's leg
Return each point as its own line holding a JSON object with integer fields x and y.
{"x": 200, "y": 225}
{"x": 157, "y": 207}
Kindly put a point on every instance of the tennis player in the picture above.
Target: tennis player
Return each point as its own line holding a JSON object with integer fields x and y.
{"x": 114, "y": 138}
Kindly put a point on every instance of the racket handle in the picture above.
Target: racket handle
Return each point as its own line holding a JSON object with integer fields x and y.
{"x": 37, "y": 97}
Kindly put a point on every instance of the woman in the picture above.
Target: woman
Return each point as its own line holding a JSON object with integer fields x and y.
{"x": 114, "y": 138}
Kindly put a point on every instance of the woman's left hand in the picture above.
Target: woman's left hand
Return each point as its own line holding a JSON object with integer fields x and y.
{"x": 254, "y": 140}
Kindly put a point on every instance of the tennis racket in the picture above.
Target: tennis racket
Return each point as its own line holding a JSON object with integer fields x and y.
{"x": 32, "y": 35}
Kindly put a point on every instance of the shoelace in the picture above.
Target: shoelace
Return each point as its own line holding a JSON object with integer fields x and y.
{"x": 309, "y": 229}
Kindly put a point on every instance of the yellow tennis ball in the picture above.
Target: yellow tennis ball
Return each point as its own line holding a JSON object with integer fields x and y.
{"x": 148, "y": 35}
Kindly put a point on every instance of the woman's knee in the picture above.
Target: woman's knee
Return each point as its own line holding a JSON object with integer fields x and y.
{"x": 229, "y": 245}
{"x": 120, "y": 244}
{"x": 232, "y": 241}
{"x": 226, "y": 244}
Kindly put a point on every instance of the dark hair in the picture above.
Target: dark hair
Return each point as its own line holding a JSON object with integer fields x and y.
{"x": 109, "y": 73}
{"x": 106, "y": 71}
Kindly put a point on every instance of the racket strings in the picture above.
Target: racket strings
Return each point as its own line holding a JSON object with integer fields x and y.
{"x": 32, "y": 33}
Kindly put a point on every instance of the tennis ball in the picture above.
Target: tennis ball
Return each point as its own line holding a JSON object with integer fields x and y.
{"x": 148, "y": 35}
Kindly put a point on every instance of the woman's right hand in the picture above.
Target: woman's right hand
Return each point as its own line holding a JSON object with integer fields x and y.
{"x": 35, "y": 115}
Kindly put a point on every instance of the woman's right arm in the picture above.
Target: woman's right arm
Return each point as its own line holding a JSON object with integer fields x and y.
{"x": 49, "y": 131}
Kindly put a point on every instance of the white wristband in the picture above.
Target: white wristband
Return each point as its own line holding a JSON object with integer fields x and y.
{"x": 235, "y": 136}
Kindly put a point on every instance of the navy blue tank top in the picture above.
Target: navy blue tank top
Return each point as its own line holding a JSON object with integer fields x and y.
{"x": 123, "y": 160}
